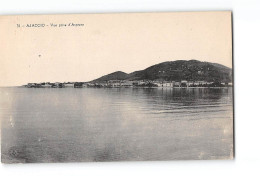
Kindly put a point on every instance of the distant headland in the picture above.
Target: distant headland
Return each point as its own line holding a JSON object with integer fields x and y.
{"x": 180, "y": 73}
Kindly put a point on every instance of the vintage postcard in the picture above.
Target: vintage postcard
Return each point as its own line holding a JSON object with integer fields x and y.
{"x": 116, "y": 87}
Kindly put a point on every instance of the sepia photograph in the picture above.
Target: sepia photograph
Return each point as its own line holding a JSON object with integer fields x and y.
{"x": 116, "y": 87}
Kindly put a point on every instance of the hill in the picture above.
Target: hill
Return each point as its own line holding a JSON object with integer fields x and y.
{"x": 118, "y": 75}
{"x": 191, "y": 70}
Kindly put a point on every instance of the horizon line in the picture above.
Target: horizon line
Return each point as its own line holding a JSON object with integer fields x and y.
{"x": 123, "y": 72}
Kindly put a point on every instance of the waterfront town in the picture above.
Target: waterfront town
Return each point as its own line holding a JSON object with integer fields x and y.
{"x": 127, "y": 83}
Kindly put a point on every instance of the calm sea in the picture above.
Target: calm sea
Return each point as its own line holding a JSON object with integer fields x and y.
{"x": 115, "y": 124}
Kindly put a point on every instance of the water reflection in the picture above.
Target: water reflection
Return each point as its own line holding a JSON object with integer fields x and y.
{"x": 68, "y": 125}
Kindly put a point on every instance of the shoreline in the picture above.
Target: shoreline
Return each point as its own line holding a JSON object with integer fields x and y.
{"x": 120, "y": 87}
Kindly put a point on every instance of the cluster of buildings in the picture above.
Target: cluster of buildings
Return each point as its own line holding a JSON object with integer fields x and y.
{"x": 127, "y": 83}
{"x": 149, "y": 83}
{"x": 50, "y": 85}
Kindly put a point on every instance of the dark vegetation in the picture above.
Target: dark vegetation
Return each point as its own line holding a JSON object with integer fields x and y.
{"x": 191, "y": 70}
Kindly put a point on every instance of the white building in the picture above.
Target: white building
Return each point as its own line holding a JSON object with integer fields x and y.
{"x": 127, "y": 83}
{"x": 68, "y": 84}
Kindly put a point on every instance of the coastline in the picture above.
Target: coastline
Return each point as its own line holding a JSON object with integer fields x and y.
{"x": 124, "y": 87}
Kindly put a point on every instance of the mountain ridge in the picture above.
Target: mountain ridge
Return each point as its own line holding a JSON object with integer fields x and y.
{"x": 190, "y": 70}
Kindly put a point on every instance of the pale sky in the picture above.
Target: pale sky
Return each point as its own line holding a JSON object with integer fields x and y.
{"x": 108, "y": 42}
